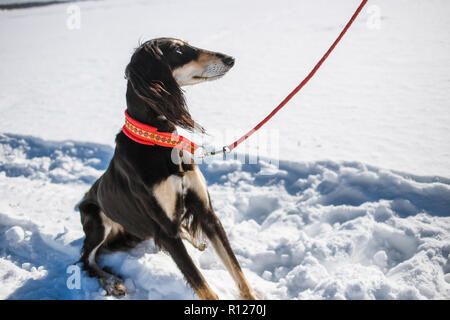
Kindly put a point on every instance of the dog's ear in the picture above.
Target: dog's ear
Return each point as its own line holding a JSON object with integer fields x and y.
{"x": 152, "y": 81}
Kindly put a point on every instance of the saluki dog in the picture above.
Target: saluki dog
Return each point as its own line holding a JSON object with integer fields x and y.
{"x": 150, "y": 191}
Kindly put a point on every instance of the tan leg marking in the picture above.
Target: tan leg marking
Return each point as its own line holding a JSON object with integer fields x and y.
{"x": 113, "y": 227}
{"x": 206, "y": 293}
{"x": 91, "y": 258}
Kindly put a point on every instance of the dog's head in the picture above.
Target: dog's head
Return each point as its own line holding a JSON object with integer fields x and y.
{"x": 191, "y": 65}
{"x": 160, "y": 66}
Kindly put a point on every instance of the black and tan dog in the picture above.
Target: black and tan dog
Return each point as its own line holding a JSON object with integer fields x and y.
{"x": 144, "y": 193}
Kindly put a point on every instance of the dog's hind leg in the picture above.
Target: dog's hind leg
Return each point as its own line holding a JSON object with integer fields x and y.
{"x": 97, "y": 231}
{"x": 177, "y": 250}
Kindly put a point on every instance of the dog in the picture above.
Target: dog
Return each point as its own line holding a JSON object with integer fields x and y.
{"x": 147, "y": 194}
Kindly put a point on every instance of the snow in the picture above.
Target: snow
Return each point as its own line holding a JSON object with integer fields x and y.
{"x": 14, "y": 235}
{"x": 294, "y": 236}
{"x": 357, "y": 205}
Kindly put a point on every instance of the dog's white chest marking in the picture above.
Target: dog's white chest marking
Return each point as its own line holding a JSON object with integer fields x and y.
{"x": 169, "y": 190}
{"x": 194, "y": 181}
{"x": 167, "y": 193}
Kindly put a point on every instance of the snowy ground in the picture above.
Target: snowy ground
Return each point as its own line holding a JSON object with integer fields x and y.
{"x": 359, "y": 206}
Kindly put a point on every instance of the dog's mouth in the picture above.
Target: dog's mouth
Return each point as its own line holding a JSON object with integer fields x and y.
{"x": 195, "y": 72}
{"x": 208, "y": 78}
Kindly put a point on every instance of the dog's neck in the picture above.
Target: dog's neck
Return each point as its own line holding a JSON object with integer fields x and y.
{"x": 140, "y": 111}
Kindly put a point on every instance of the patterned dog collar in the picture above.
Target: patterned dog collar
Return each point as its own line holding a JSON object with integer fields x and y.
{"x": 144, "y": 134}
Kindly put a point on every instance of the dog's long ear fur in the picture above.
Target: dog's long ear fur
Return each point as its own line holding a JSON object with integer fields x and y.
{"x": 152, "y": 81}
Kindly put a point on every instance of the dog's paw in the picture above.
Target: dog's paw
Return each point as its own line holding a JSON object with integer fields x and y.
{"x": 114, "y": 286}
{"x": 201, "y": 246}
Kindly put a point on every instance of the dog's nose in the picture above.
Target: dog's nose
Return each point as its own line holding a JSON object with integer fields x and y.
{"x": 228, "y": 61}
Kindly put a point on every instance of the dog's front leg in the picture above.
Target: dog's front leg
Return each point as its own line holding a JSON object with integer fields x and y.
{"x": 178, "y": 252}
{"x": 216, "y": 234}
{"x": 198, "y": 204}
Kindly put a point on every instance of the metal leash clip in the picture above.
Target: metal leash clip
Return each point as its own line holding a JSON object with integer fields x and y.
{"x": 205, "y": 154}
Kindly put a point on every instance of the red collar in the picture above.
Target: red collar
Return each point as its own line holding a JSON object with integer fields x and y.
{"x": 144, "y": 134}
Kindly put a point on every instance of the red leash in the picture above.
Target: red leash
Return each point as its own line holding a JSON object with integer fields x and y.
{"x": 230, "y": 147}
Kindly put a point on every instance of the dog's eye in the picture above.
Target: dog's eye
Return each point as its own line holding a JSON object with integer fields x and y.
{"x": 178, "y": 50}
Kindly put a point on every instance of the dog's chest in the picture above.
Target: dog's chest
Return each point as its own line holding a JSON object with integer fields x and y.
{"x": 170, "y": 193}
